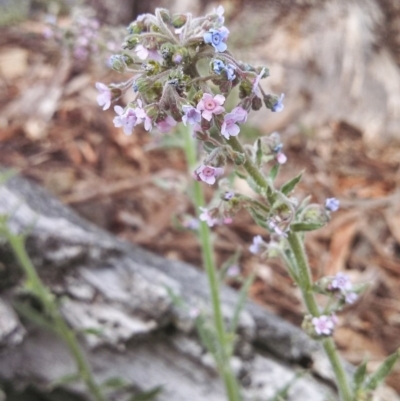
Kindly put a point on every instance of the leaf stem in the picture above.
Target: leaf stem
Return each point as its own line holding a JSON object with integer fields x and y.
{"x": 230, "y": 381}
{"x": 17, "y": 243}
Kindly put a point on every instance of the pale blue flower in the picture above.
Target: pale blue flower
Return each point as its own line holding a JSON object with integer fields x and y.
{"x": 279, "y": 106}
{"x": 332, "y": 204}
{"x": 217, "y": 38}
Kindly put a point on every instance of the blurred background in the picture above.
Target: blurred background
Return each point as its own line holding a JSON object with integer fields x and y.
{"x": 338, "y": 63}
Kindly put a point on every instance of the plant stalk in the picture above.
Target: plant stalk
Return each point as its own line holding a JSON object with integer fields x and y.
{"x": 305, "y": 281}
{"x": 230, "y": 381}
{"x": 17, "y": 243}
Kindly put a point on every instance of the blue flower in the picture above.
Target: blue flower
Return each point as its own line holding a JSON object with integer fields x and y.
{"x": 332, "y": 204}
{"x": 217, "y": 38}
{"x": 218, "y": 66}
{"x": 278, "y": 106}
{"x": 230, "y": 72}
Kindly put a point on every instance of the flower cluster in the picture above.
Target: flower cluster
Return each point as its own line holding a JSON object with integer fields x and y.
{"x": 161, "y": 52}
{"x": 341, "y": 285}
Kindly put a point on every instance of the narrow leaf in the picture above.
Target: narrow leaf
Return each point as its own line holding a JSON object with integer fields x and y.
{"x": 359, "y": 375}
{"x": 274, "y": 171}
{"x": 259, "y": 152}
{"x": 115, "y": 383}
{"x": 290, "y": 185}
{"x": 299, "y": 227}
{"x": 383, "y": 371}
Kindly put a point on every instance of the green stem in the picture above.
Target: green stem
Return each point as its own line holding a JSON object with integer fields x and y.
{"x": 304, "y": 275}
{"x": 230, "y": 382}
{"x": 18, "y": 246}
{"x": 305, "y": 280}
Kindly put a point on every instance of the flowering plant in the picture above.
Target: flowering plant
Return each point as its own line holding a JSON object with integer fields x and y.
{"x": 182, "y": 71}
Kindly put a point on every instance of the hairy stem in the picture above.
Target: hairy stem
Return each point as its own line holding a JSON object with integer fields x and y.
{"x": 304, "y": 278}
{"x": 17, "y": 243}
{"x": 230, "y": 382}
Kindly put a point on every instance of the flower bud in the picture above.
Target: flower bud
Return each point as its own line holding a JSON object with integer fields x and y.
{"x": 117, "y": 63}
{"x": 131, "y": 42}
{"x": 256, "y": 103}
{"x": 245, "y": 89}
{"x": 176, "y": 113}
{"x": 315, "y": 214}
{"x": 180, "y": 56}
{"x": 274, "y": 102}
{"x": 136, "y": 27}
{"x": 178, "y": 20}
{"x": 225, "y": 87}
{"x": 143, "y": 84}
{"x": 167, "y": 50}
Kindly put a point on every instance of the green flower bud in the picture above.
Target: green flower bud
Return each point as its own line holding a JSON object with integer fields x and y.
{"x": 167, "y": 50}
{"x": 117, "y": 63}
{"x": 180, "y": 56}
{"x": 245, "y": 89}
{"x": 136, "y": 27}
{"x": 266, "y": 71}
{"x": 151, "y": 67}
{"x": 143, "y": 84}
{"x": 131, "y": 42}
{"x": 152, "y": 110}
{"x": 178, "y": 20}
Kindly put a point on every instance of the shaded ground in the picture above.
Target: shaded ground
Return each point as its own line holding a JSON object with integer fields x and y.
{"x": 52, "y": 131}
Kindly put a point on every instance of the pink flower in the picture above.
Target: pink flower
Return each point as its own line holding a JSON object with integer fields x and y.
{"x": 256, "y": 245}
{"x": 281, "y": 158}
{"x": 229, "y": 127}
{"x": 144, "y": 53}
{"x": 127, "y": 119}
{"x": 211, "y": 105}
{"x": 341, "y": 282}
{"x": 256, "y": 82}
{"x": 104, "y": 98}
{"x": 205, "y": 216}
{"x": 208, "y": 174}
{"x": 141, "y": 113}
{"x": 350, "y": 298}
{"x": 324, "y": 325}
{"x": 192, "y": 115}
{"x": 233, "y": 271}
{"x": 166, "y": 125}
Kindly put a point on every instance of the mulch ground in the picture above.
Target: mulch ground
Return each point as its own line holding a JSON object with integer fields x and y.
{"x": 52, "y": 131}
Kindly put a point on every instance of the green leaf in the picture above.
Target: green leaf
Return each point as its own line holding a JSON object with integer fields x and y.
{"x": 115, "y": 383}
{"x": 290, "y": 185}
{"x": 25, "y": 310}
{"x": 147, "y": 395}
{"x": 262, "y": 223}
{"x": 299, "y": 227}
{"x": 93, "y": 330}
{"x": 259, "y": 152}
{"x": 359, "y": 375}
{"x": 274, "y": 171}
{"x": 383, "y": 371}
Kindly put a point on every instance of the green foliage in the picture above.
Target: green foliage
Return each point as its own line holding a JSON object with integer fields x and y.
{"x": 383, "y": 371}
{"x": 291, "y": 184}
{"x": 147, "y": 395}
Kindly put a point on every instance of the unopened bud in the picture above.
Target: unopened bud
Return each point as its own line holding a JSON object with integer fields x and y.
{"x": 245, "y": 89}
{"x": 117, "y": 63}
{"x": 178, "y": 20}
{"x": 136, "y": 27}
{"x": 256, "y": 103}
